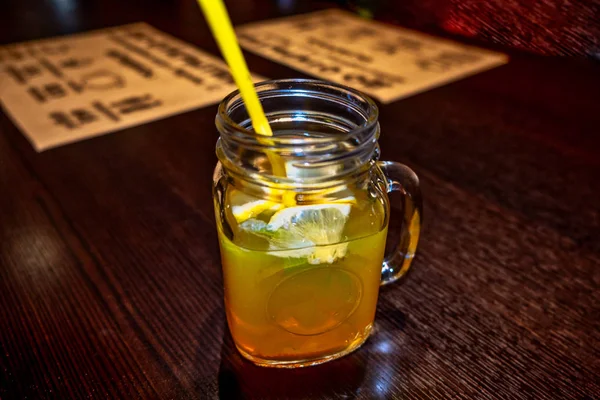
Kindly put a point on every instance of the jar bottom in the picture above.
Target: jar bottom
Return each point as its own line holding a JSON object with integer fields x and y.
{"x": 300, "y": 363}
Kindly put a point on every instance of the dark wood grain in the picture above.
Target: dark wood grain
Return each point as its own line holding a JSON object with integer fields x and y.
{"x": 110, "y": 282}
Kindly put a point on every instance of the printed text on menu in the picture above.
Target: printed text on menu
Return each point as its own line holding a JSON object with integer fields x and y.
{"x": 66, "y": 89}
{"x": 385, "y": 61}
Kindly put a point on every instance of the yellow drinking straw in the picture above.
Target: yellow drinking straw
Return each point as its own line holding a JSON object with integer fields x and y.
{"x": 220, "y": 25}
{"x": 222, "y": 30}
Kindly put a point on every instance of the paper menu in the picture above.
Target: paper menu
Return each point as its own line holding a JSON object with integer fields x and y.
{"x": 69, "y": 88}
{"x": 384, "y": 61}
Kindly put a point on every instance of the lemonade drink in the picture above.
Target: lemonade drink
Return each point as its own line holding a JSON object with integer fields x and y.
{"x": 301, "y": 281}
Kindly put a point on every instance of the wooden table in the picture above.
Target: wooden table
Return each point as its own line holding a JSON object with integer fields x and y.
{"x": 110, "y": 281}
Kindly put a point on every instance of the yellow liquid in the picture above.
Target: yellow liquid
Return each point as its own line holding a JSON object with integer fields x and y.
{"x": 283, "y": 311}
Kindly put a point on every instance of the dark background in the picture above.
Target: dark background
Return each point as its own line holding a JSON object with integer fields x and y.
{"x": 110, "y": 282}
{"x": 548, "y": 27}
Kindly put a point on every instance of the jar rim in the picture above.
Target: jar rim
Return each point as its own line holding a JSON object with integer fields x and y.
{"x": 315, "y": 158}
{"x": 371, "y": 111}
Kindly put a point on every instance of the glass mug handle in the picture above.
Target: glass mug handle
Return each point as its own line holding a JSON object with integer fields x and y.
{"x": 400, "y": 178}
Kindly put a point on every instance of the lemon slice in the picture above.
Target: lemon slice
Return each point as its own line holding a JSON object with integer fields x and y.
{"x": 312, "y": 231}
{"x": 318, "y": 214}
{"x": 244, "y": 207}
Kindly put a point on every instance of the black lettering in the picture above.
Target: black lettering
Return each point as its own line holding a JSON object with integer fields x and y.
{"x": 142, "y": 37}
{"x": 54, "y": 90}
{"x": 36, "y": 94}
{"x": 360, "y": 32}
{"x": 387, "y": 48}
{"x": 305, "y": 59}
{"x": 305, "y": 25}
{"x": 329, "y": 68}
{"x": 23, "y": 74}
{"x": 365, "y": 81}
{"x": 340, "y": 50}
{"x": 15, "y": 54}
{"x": 168, "y": 50}
{"x": 399, "y": 44}
{"x": 410, "y": 44}
{"x": 222, "y": 75}
{"x": 365, "y": 69}
{"x": 127, "y": 61}
{"x": 446, "y": 60}
{"x": 250, "y": 38}
{"x": 217, "y": 72}
{"x": 84, "y": 116}
{"x": 16, "y": 74}
{"x": 281, "y": 50}
{"x": 61, "y": 118}
{"x": 75, "y": 63}
{"x": 192, "y": 78}
{"x": 75, "y": 86}
{"x": 139, "y": 51}
{"x": 135, "y": 103}
{"x": 310, "y": 23}
{"x": 271, "y": 40}
{"x": 106, "y": 111}
{"x": 191, "y": 61}
{"x": 51, "y": 68}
